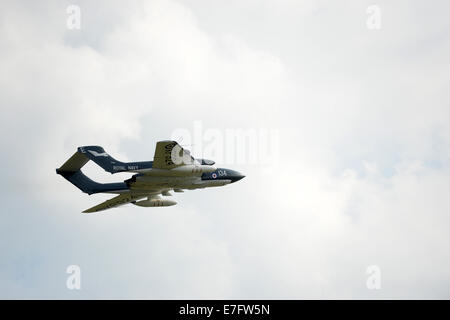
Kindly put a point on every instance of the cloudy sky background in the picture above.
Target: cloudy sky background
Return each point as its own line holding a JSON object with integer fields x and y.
{"x": 362, "y": 175}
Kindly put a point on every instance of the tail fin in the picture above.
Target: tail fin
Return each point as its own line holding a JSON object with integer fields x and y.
{"x": 104, "y": 160}
{"x": 71, "y": 171}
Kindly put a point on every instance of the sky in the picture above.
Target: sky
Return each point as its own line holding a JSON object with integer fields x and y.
{"x": 348, "y": 170}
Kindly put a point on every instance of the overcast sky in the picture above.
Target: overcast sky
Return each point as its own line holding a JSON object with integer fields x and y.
{"x": 361, "y": 116}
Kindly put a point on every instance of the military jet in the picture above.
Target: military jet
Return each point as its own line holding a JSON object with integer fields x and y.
{"x": 172, "y": 168}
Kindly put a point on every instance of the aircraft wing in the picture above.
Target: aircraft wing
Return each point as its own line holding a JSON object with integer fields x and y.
{"x": 115, "y": 202}
{"x": 169, "y": 154}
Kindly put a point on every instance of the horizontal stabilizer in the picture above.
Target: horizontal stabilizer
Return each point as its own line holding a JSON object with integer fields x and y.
{"x": 75, "y": 163}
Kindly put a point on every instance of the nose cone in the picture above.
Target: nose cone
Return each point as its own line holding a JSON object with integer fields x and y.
{"x": 223, "y": 174}
{"x": 237, "y": 178}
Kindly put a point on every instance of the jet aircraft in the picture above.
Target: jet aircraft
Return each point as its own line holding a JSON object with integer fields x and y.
{"x": 172, "y": 168}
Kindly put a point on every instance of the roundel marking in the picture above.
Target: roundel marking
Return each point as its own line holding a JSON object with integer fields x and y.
{"x": 214, "y": 175}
